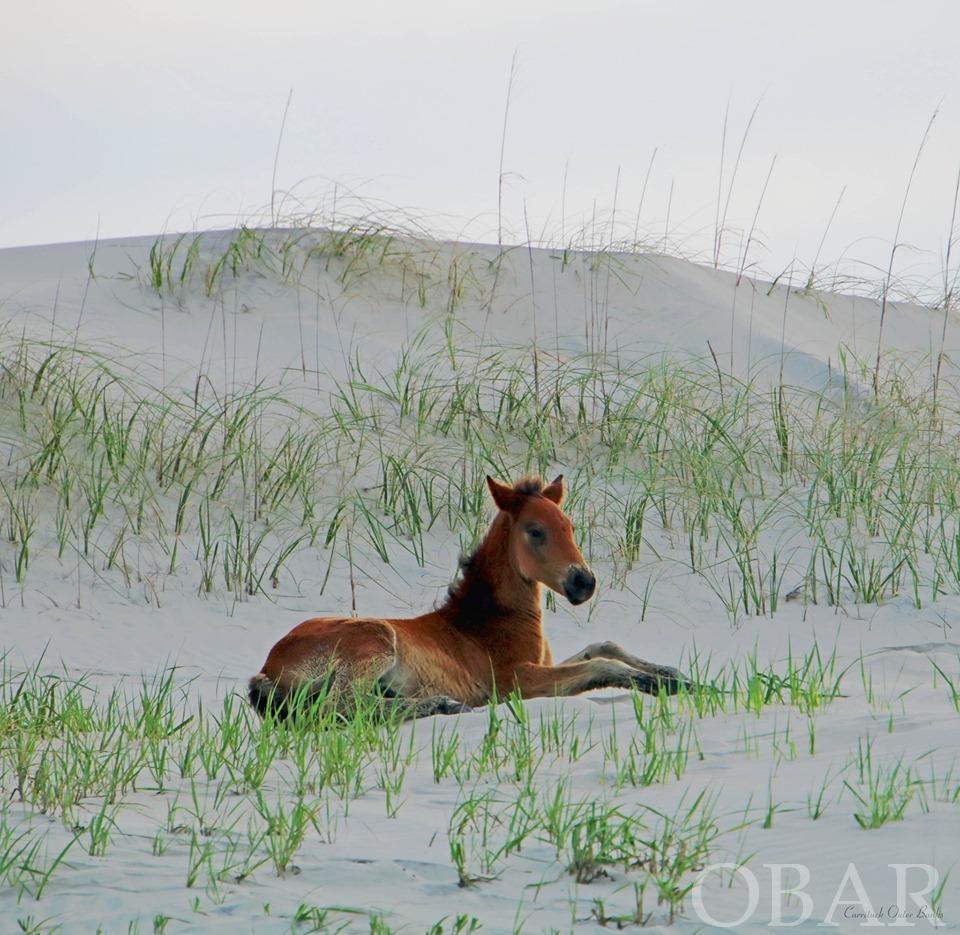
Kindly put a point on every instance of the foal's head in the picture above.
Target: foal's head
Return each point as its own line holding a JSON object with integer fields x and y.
{"x": 541, "y": 546}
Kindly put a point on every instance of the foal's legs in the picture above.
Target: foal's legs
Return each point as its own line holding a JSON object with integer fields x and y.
{"x": 669, "y": 676}
{"x": 575, "y": 677}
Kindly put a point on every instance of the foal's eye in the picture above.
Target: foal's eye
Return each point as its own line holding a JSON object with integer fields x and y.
{"x": 536, "y": 533}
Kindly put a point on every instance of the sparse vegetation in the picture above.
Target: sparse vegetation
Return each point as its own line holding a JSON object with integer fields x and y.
{"x": 762, "y": 503}
{"x": 671, "y": 465}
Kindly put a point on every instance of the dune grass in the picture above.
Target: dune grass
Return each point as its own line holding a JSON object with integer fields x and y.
{"x": 233, "y": 798}
{"x": 761, "y": 496}
{"x": 240, "y": 796}
{"x": 754, "y": 497}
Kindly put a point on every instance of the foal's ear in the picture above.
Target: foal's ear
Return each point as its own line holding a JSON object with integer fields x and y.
{"x": 555, "y": 490}
{"x": 506, "y": 498}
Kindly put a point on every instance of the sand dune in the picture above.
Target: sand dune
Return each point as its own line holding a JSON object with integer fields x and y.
{"x": 360, "y": 345}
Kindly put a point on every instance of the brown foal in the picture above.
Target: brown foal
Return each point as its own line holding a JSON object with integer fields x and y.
{"x": 486, "y": 640}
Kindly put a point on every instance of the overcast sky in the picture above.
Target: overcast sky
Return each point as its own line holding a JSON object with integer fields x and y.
{"x": 132, "y": 117}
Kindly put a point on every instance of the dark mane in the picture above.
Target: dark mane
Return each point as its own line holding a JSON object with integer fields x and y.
{"x": 529, "y": 485}
{"x": 463, "y": 567}
{"x": 470, "y": 601}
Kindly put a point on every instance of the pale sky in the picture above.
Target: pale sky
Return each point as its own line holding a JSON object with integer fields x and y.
{"x": 134, "y": 117}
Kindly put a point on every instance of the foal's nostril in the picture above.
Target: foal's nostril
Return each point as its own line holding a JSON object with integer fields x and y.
{"x": 580, "y": 585}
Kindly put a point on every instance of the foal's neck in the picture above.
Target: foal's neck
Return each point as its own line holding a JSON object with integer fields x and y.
{"x": 491, "y": 593}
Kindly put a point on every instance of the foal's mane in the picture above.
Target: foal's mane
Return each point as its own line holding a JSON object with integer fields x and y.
{"x": 530, "y": 485}
{"x": 470, "y": 600}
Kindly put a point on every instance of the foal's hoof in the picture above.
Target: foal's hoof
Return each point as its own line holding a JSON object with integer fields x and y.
{"x": 451, "y": 706}
{"x": 661, "y": 678}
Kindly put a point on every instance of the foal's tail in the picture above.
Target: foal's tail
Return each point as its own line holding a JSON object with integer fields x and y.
{"x": 282, "y": 700}
{"x": 266, "y": 696}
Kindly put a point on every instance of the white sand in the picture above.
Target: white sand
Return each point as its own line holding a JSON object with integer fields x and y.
{"x": 259, "y": 329}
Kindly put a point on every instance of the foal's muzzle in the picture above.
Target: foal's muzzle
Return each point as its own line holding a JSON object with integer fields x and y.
{"x": 579, "y": 584}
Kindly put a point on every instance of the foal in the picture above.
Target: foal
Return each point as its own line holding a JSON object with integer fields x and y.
{"x": 486, "y": 639}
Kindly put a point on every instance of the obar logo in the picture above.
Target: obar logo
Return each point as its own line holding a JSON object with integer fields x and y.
{"x": 791, "y": 904}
